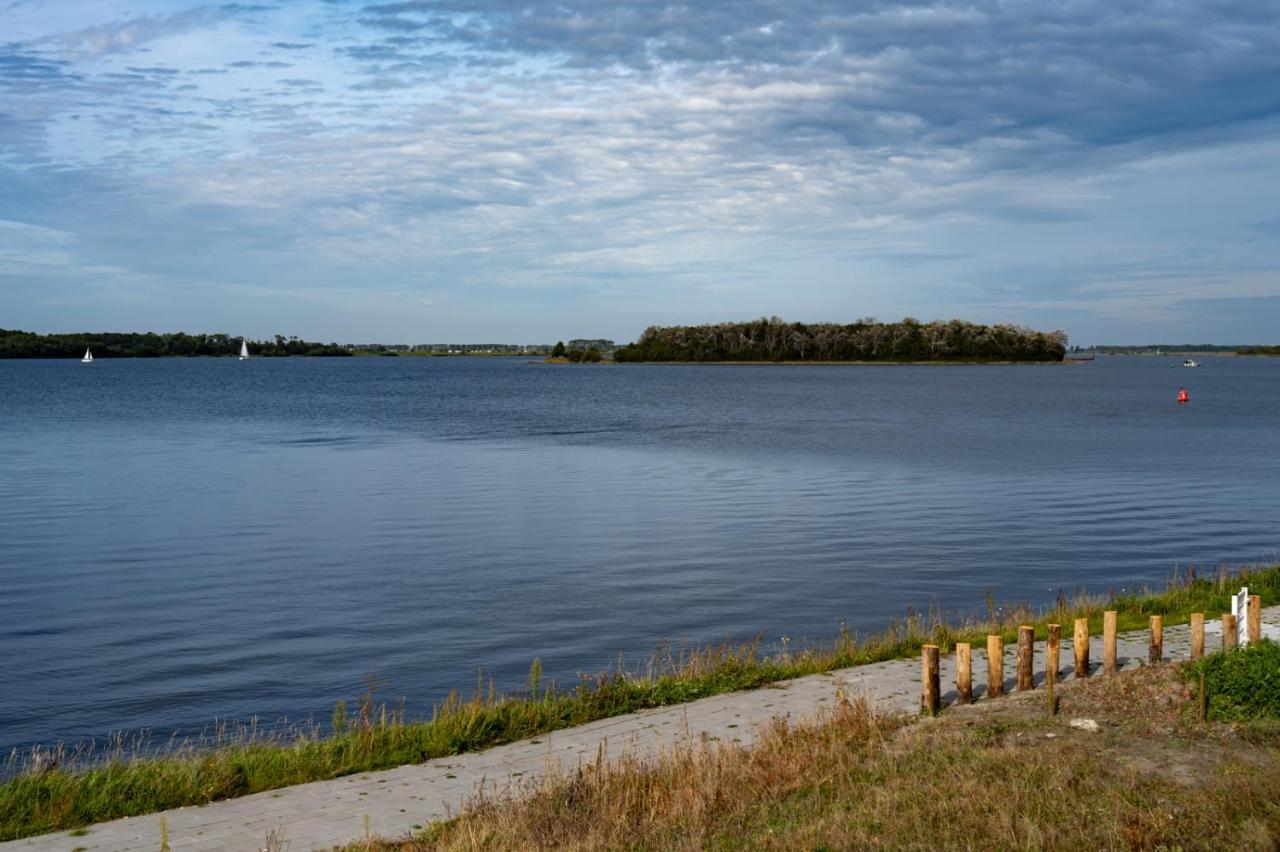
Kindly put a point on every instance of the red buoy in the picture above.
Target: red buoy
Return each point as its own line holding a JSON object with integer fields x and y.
{"x": 1183, "y": 396}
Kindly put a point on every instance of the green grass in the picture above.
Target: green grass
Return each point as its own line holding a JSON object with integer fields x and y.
{"x": 1244, "y": 684}
{"x": 57, "y": 792}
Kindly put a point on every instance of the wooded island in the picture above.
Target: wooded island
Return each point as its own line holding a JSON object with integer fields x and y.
{"x": 865, "y": 340}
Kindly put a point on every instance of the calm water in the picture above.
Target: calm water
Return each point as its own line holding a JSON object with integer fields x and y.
{"x": 185, "y": 540}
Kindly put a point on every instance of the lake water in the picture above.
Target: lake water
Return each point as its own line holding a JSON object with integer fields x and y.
{"x": 185, "y": 540}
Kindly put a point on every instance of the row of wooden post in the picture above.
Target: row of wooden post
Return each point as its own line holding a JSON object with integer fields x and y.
{"x": 931, "y": 695}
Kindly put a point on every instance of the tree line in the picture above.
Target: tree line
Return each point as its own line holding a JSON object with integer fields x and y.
{"x": 772, "y": 339}
{"x": 576, "y": 354}
{"x": 1164, "y": 348}
{"x": 25, "y": 344}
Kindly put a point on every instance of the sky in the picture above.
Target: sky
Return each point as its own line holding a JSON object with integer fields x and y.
{"x": 526, "y": 171}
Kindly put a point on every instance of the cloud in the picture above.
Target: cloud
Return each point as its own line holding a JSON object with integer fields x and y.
{"x": 1094, "y": 73}
{"x": 33, "y": 250}
{"x": 817, "y": 155}
{"x": 24, "y": 70}
{"x": 246, "y": 63}
{"x": 102, "y": 39}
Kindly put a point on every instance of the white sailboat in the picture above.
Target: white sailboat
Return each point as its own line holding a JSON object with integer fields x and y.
{"x": 244, "y": 349}
{"x": 88, "y": 357}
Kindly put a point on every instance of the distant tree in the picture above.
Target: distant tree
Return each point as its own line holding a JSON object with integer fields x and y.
{"x": 772, "y": 339}
{"x": 592, "y": 355}
{"x": 21, "y": 344}
{"x": 558, "y": 350}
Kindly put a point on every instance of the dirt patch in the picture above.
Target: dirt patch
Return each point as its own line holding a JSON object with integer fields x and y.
{"x": 1147, "y": 725}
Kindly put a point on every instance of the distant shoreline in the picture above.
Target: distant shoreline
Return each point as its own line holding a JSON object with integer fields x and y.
{"x": 938, "y": 363}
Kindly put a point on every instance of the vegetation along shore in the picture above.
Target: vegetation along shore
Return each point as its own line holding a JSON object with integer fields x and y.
{"x": 57, "y": 790}
{"x": 1140, "y": 769}
{"x": 25, "y": 344}
{"x": 866, "y": 340}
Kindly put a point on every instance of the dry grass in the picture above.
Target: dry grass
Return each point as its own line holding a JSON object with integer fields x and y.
{"x": 993, "y": 775}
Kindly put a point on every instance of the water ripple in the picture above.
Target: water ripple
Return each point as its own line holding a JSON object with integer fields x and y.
{"x": 191, "y": 540}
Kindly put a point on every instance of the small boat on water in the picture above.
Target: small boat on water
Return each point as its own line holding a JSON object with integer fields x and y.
{"x": 1190, "y": 363}
{"x": 244, "y": 349}
{"x": 88, "y": 357}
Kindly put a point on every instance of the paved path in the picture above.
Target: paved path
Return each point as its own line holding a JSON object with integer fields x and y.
{"x": 393, "y": 802}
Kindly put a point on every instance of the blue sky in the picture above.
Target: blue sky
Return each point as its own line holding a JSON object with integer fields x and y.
{"x": 526, "y": 171}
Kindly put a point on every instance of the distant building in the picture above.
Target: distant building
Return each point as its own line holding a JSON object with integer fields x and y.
{"x": 482, "y": 348}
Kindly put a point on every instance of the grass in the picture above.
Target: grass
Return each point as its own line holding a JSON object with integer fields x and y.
{"x": 1243, "y": 684}
{"x": 62, "y": 790}
{"x": 993, "y": 775}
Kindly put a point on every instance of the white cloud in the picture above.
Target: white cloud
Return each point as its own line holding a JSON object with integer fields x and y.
{"x": 891, "y": 157}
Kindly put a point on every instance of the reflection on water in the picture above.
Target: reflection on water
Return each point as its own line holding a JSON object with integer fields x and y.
{"x": 191, "y": 539}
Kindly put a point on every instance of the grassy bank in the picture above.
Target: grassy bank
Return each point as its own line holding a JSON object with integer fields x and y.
{"x": 53, "y": 793}
{"x": 996, "y": 775}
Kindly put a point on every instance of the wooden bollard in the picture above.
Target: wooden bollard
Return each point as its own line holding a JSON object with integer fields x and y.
{"x": 1109, "y": 642}
{"x": 1255, "y": 619}
{"x": 930, "y": 686}
{"x": 995, "y": 666}
{"x": 1081, "y": 640}
{"x": 1197, "y": 635}
{"x": 1156, "y": 646}
{"x": 1026, "y": 656}
{"x": 1051, "y": 665}
{"x": 1230, "y": 638}
{"x": 964, "y": 673}
{"x": 1051, "y": 649}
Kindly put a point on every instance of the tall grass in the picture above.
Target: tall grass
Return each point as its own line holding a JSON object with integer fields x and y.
{"x": 1008, "y": 779}
{"x": 64, "y": 789}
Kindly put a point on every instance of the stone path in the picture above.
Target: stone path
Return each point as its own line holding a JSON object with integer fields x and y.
{"x": 393, "y": 802}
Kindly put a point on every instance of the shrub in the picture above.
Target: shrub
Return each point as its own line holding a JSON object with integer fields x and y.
{"x": 1242, "y": 684}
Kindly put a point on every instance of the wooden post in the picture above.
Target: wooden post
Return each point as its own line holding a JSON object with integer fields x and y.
{"x": 1109, "y": 641}
{"x": 1255, "y": 619}
{"x": 1197, "y": 635}
{"x": 1051, "y": 649}
{"x": 1229, "y": 637}
{"x": 930, "y": 691}
{"x": 1026, "y": 657}
{"x": 964, "y": 673}
{"x": 1050, "y": 678}
{"x": 1156, "y": 646}
{"x": 995, "y": 666}
{"x": 1081, "y": 641}
{"x": 1204, "y": 698}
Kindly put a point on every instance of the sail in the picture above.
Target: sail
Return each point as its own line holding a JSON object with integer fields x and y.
{"x": 88, "y": 356}
{"x": 244, "y": 349}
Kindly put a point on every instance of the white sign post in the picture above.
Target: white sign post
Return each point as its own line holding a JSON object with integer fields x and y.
{"x": 1240, "y": 609}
